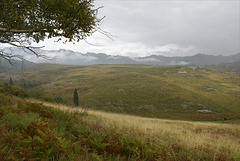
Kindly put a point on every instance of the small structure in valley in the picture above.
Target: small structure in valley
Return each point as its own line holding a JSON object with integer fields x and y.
{"x": 204, "y": 111}
{"x": 182, "y": 72}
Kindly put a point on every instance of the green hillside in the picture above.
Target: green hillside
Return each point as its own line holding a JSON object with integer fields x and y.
{"x": 44, "y": 131}
{"x": 176, "y": 92}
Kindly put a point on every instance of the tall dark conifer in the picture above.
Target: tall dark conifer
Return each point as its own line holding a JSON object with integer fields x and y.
{"x": 75, "y": 98}
{"x": 10, "y": 81}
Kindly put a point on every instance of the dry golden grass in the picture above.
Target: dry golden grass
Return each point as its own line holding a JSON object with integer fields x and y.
{"x": 215, "y": 137}
{"x": 188, "y": 134}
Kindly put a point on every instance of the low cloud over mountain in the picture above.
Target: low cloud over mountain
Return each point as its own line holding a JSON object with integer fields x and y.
{"x": 76, "y": 58}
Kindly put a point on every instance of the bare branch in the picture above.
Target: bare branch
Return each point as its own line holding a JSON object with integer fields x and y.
{"x": 91, "y": 43}
{"x": 18, "y": 31}
{"x": 9, "y": 56}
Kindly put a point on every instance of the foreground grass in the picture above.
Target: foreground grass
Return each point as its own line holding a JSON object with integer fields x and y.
{"x": 30, "y": 130}
{"x": 173, "y": 140}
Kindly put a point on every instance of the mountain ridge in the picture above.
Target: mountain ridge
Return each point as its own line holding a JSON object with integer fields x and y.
{"x": 69, "y": 57}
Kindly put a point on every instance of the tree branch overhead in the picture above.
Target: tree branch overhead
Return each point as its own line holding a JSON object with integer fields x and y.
{"x": 23, "y": 22}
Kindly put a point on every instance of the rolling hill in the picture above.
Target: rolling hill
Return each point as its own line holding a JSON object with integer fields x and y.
{"x": 175, "y": 92}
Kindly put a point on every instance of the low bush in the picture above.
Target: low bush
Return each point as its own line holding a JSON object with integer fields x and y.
{"x": 31, "y": 131}
{"x": 5, "y": 88}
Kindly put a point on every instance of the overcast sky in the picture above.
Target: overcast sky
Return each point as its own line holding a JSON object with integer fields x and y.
{"x": 164, "y": 27}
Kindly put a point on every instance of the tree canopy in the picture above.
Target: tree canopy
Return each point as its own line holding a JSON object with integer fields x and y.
{"x": 25, "y": 21}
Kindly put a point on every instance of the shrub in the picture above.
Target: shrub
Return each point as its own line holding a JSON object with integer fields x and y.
{"x": 11, "y": 90}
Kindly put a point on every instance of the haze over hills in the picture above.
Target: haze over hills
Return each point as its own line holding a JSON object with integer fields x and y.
{"x": 76, "y": 58}
{"x": 196, "y": 60}
{"x": 229, "y": 67}
{"x": 5, "y": 66}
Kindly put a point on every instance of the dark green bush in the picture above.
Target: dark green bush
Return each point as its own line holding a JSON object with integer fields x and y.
{"x": 11, "y": 90}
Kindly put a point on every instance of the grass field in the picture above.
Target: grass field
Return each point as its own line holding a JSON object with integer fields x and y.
{"x": 175, "y": 92}
{"x": 218, "y": 139}
{"x": 37, "y": 130}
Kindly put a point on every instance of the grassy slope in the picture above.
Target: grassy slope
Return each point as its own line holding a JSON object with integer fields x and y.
{"x": 230, "y": 67}
{"x": 33, "y": 131}
{"x": 146, "y": 90}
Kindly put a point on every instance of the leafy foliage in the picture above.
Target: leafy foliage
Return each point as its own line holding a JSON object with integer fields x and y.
{"x": 11, "y": 90}
{"x": 24, "y": 21}
{"x": 31, "y": 131}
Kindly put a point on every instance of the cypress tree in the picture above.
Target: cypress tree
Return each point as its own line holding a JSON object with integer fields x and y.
{"x": 75, "y": 98}
{"x": 10, "y": 81}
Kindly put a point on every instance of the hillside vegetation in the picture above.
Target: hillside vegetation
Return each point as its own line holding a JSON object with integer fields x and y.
{"x": 230, "y": 67}
{"x": 177, "y": 92}
{"x": 30, "y": 130}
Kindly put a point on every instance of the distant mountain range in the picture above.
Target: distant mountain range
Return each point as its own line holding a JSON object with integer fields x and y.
{"x": 75, "y": 58}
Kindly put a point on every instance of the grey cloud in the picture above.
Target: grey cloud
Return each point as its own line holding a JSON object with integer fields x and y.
{"x": 175, "y": 28}
{"x": 62, "y": 57}
{"x": 70, "y": 57}
{"x": 148, "y": 60}
{"x": 65, "y": 59}
{"x": 211, "y": 27}
{"x": 114, "y": 57}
